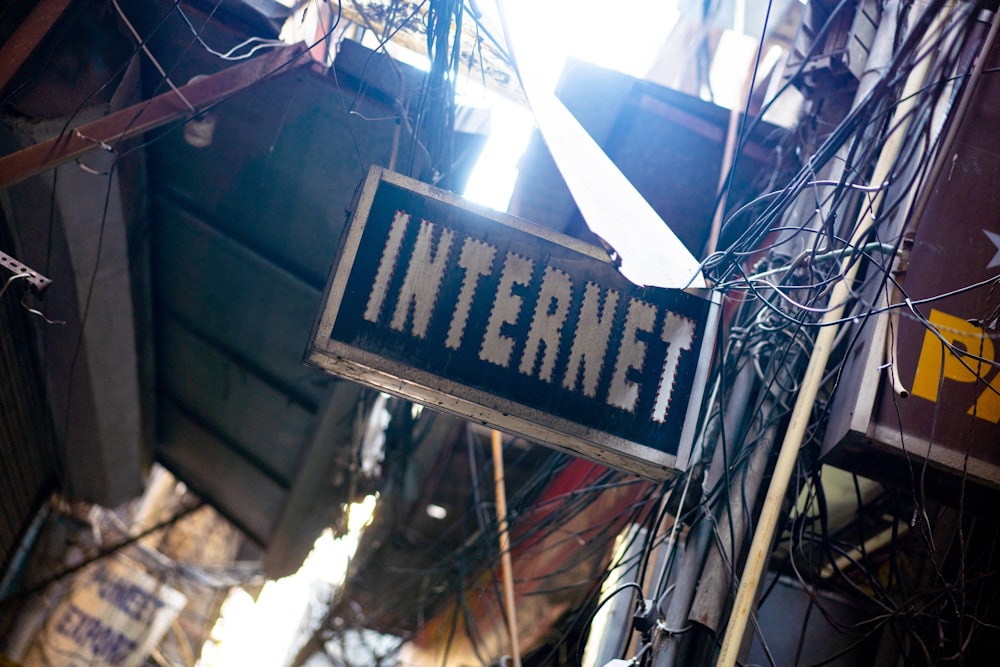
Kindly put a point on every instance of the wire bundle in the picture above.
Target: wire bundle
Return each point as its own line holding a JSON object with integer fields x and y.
{"x": 783, "y": 253}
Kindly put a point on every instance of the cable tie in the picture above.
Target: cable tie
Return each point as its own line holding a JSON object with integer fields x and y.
{"x": 92, "y": 140}
{"x": 662, "y": 627}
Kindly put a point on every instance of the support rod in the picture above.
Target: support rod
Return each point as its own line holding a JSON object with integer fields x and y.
{"x": 144, "y": 116}
{"x": 505, "y": 562}
{"x": 729, "y": 148}
{"x": 693, "y": 576}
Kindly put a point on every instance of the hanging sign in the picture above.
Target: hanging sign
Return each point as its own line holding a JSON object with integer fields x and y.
{"x": 115, "y": 615}
{"x": 499, "y": 321}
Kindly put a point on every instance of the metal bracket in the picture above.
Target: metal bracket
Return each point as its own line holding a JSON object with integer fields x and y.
{"x": 37, "y": 281}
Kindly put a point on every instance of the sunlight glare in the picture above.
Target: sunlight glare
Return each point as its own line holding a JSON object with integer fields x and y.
{"x": 627, "y": 40}
{"x": 262, "y": 632}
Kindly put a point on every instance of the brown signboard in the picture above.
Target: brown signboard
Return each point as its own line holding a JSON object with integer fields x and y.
{"x": 491, "y": 318}
{"x": 943, "y": 414}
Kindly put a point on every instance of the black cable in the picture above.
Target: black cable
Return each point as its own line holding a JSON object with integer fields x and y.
{"x": 727, "y": 186}
{"x": 39, "y": 586}
{"x": 590, "y": 617}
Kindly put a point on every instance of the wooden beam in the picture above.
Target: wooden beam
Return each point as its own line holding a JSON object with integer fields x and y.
{"x": 27, "y": 37}
{"x": 144, "y": 116}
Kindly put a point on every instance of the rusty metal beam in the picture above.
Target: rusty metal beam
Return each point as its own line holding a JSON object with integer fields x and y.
{"x": 27, "y": 37}
{"x": 144, "y": 116}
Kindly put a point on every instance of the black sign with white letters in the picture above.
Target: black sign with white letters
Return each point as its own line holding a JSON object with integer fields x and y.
{"x": 486, "y": 316}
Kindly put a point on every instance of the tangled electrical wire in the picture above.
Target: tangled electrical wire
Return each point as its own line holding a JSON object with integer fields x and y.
{"x": 447, "y": 573}
{"x": 782, "y": 254}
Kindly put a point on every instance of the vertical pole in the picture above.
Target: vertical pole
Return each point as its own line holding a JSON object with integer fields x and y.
{"x": 694, "y": 575}
{"x": 729, "y": 148}
{"x": 505, "y": 564}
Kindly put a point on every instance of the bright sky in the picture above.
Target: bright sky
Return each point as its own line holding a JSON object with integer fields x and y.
{"x": 260, "y": 633}
{"x": 586, "y": 31}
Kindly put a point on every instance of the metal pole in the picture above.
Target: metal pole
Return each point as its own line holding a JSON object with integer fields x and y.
{"x": 607, "y": 635}
{"x": 729, "y": 148}
{"x": 716, "y": 580}
{"x": 505, "y": 563}
{"x": 688, "y": 577}
{"x": 693, "y": 572}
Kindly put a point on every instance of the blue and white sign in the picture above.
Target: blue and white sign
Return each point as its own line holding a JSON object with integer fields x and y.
{"x": 115, "y": 614}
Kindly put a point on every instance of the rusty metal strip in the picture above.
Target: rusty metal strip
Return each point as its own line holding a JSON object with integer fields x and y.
{"x": 27, "y": 37}
{"x": 39, "y": 282}
{"x": 144, "y": 116}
